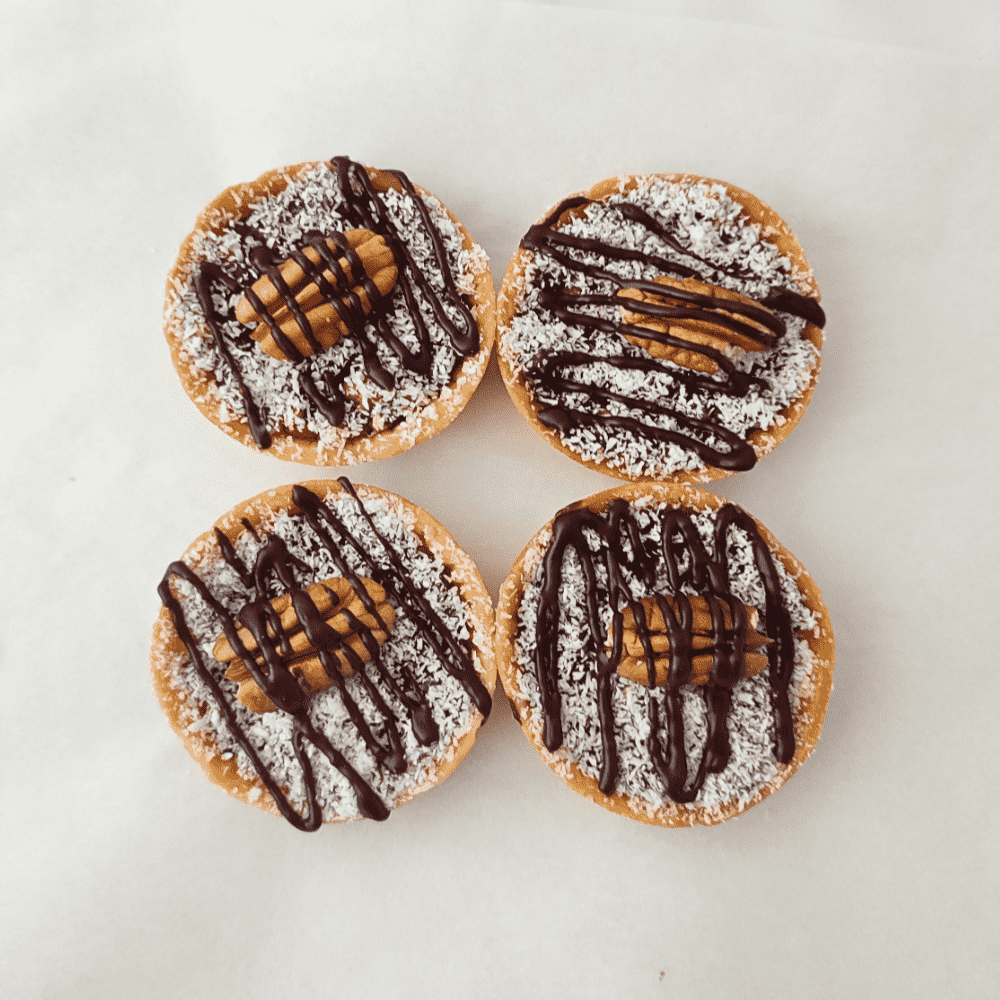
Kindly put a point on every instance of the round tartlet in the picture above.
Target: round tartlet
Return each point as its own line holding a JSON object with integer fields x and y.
{"x": 557, "y": 681}
{"x": 379, "y": 389}
{"x": 633, "y": 394}
{"x": 421, "y": 696}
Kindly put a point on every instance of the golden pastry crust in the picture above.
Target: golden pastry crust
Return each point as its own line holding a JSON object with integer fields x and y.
{"x": 168, "y": 650}
{"x": 773, "y": 229}
{"x": 812, "y": 697}
{"x": 290, "y": 444}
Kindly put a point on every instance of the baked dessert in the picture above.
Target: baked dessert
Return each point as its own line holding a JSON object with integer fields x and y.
{"x": 325, "y": 652}
{"x": 330, "y": 313}
{"x": 662, "y": 327}
{"x": 666, "y": 656}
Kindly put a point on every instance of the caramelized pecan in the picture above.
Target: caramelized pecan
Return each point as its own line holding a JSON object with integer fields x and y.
{"x": 319, "y": 294}
{"x": 703, "y": 637}
{"x": 354, "y": 629}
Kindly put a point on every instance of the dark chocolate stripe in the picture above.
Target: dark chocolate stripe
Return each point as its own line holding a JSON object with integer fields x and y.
{"x": 368, "y": 209}
{"x": 734, "y": 454}
{"x": 204, "y": 276}
{"x": 303, "y": 730}
{"x": 456, "y": 659}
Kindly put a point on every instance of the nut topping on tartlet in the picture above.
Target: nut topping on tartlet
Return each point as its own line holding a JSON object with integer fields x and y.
{"x": 695, "y": 313}
{"x": 666, "y": 656}
{"x": 330, "y": 313}
{"x": 662, "y": 326}
{"x": 319, "y": 294}
{"x": 702, "y": 629}
{"x": 325, "y": 629}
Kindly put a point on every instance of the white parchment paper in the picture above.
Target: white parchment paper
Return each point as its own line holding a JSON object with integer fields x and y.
{"x": 873, "y": 131}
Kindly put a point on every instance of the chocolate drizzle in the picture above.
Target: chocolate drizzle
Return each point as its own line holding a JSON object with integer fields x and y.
{"x": 551, "y": 370}
{"x": 205, "y": 275}
{"x": 366, "y": 209}
{"x": 688, "y": 567}
{"x": 271, "y": 670}
{"x": 363, "y": 207}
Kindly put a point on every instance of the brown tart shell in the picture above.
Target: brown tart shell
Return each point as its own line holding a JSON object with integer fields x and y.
{"x": 167, "y": 649}
{"x": 773, "y": 229}
{"x": 236, "y": 203}
{"x": 813, "y": 698}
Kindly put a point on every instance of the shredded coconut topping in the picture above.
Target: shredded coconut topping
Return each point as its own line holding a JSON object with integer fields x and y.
{"x": 704, "y": 218}
{"x": 270, "y": 733}
{"x": 313, "y": 202}
{"x": 750, "y": 720}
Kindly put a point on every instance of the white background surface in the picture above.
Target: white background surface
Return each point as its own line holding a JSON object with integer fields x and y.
{"x": 873, "y": 130}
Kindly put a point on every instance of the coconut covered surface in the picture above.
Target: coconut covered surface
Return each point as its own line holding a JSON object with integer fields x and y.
{"x": 437, "y": 599}
{"x": 389, "y": 402}
{"x": 611, "y": 401}
{"x": 752, "y": 772}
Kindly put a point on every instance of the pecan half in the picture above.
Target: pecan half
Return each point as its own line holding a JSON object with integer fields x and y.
{"x": 702, "y": 634}
{"x": 354, "y": 629}
{"x": 333, "y": 283}
{"x": 710, "y": 324}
